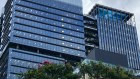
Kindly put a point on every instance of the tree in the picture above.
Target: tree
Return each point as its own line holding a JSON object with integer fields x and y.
{"x": 51, "y": 71}
{"x": 66, "y": 71}
{"x": 101, "y": 71}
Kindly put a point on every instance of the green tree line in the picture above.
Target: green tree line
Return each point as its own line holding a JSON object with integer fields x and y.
{"x": 67, "y": 71}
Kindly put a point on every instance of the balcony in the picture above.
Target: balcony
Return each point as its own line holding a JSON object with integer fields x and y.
{"x": 90, "y": 27}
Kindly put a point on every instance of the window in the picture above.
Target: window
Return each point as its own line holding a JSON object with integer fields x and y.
{"x": 78, "y": 47}
{"x": 62, "y": 25}
{"x": 62, "y": 37}
{"x": 62, "y": 19}
{"x": 62, "y": 31}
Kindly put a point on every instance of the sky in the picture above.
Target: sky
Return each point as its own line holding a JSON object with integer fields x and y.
{"x": 127, "y": 5}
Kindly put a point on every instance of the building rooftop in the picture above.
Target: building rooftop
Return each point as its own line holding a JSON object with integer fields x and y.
{"x": 127, "y": 15}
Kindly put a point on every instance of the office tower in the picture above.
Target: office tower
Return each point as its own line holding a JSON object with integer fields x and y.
{"x": 34, "y": 31}
{"x": 113, "y": 38}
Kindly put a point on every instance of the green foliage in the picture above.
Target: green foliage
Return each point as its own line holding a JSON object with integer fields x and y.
{"x": 51, "y": 71}
{"x": 65, "y": 71}
{"x": 100, "y": 71}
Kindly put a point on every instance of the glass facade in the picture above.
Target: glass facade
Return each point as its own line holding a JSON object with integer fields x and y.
{"x": 120, "y": 38}
{"x": 37, "y": 30}
{"x": 72, "y": 2}
{"x": 117, "y": 33}
{"x": 20, "y": 61}
{"x": 109, "y": 14}
{"x": 34, "y": 31}
{"x": 47, "y": 26}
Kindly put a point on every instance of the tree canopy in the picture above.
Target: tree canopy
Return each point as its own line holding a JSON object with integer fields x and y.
{"x": 66, "y": 71}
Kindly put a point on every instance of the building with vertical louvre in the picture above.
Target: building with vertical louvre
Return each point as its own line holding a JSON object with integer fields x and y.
{"x": 116, "y": 38}
{"x": 34, "y": 31}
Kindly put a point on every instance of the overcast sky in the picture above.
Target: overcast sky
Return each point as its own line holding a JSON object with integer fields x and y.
{"x": 132, "y": 6}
